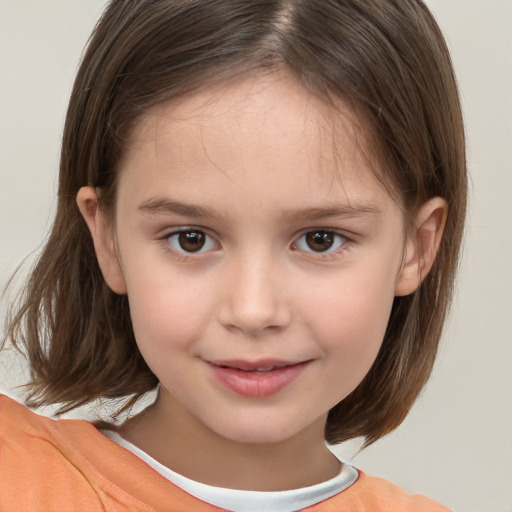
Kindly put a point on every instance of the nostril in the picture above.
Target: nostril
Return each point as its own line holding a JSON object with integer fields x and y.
{"x": 255, "y": 323}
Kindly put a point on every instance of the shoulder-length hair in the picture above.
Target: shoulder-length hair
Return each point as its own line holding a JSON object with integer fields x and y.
{"x": 386, "y": 59}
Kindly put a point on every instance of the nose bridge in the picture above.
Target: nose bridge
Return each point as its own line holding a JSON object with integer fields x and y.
{"x": 254, "y": 295}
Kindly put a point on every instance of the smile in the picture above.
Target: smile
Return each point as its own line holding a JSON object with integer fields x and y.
{"x": 258, "y": 379}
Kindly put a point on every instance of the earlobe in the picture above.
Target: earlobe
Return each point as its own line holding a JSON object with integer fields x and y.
{"x": 87, "y": 200}
{"x": 422, "y": 246}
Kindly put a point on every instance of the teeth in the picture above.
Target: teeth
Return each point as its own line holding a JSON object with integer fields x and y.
{"x": 266, "y": 368}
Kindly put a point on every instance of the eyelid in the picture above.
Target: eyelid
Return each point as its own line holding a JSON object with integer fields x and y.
{"x": 169, "y": 234}
{"x": 330, "y": 253}
{"x": 347, "y": 240}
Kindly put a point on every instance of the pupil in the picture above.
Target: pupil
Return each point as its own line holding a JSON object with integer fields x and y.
{"x": 320, "y": 241}
{"x": 191, "y": 241}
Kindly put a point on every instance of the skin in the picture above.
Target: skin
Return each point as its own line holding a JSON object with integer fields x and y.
{"x": 255, "y": 164}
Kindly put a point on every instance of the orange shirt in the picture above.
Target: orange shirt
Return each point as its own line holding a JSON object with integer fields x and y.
{"x": 68, "y": 465}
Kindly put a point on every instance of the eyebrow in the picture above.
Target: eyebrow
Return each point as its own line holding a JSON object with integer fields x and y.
{"x": 162, "y": 206}
{"x": 336, "y": 211}
{"x": 155, "y": 206}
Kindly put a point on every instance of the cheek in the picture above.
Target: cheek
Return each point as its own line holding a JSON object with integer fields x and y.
{"x": 356, "y": 305}
{"x": 349, "y": 320}
{"x": 166, "y": 313}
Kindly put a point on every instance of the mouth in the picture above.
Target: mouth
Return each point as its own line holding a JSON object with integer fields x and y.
{"x": 266, "y": 365}
{"x": 258, "y": 378}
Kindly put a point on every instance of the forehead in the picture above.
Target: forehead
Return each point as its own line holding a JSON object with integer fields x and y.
{"x": 256, "y": 134}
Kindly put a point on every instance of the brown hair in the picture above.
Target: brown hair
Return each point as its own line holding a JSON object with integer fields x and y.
{"x": 386, "y": 58}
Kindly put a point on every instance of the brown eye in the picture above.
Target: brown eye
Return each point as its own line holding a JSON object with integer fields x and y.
{"x": 190, "y": 241}
{"x": 320, "y": 240}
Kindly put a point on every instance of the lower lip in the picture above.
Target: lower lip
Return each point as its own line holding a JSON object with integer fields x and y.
{"x": 257, "y": 384}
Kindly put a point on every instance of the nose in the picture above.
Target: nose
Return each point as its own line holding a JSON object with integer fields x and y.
{"x": 254, "y": 296}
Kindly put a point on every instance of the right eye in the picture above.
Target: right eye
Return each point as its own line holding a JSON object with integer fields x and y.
{"x": 190, "y": 241}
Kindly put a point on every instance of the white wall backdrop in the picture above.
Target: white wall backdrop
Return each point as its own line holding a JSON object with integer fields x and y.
{"x": 456, "y": 445}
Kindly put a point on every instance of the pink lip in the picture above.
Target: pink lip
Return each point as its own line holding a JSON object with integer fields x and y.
{"x": 243, "y": 377}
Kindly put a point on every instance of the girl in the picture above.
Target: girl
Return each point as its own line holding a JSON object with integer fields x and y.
{"x": 260, "y": 211}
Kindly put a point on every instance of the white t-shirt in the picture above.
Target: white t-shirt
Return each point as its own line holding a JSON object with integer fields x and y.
{"x": 248, "y": 501}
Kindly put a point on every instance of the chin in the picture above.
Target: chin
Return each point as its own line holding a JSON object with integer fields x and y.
{"x": 256, "y": 438}
{"x": 261, "y": 432}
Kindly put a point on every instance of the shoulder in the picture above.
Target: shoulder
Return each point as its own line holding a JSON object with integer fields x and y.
{"x": 22, "y": 430}
{"x": 66, "y": 464}
{"x": 372, "y": 494}
{"x": 38, "y": 471}
{"x": 12, "y": 411}
{"x": 26, "y": 432}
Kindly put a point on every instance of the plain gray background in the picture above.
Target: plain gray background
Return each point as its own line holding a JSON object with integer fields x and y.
{"x": 456, "y": 445}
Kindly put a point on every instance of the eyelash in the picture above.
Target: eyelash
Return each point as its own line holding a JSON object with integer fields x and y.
{"x": 340, "y": 246}
{"x": 340, "y": 242}
{"x": 180, "y": 252}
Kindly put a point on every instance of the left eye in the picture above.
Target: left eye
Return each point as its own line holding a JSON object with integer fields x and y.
{"x": 191, "y": 241}
{"x": 320, "y": 240}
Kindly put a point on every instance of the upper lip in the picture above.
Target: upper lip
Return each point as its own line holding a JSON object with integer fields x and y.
{"x": 260, "y": 364}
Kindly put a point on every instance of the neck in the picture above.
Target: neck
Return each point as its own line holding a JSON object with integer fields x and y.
{"x": 183, "y": 444}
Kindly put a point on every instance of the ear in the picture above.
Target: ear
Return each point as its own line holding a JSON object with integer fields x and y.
{"x": 422, "y": 245}
{"x": 104, "y": 246}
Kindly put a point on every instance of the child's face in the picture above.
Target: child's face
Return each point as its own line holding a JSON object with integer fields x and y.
{"x": 260, "y": 256}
